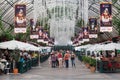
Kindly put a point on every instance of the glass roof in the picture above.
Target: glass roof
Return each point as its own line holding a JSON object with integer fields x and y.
{"x": 7, "y": 11}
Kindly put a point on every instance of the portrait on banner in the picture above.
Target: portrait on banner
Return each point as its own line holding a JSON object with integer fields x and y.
{"x": 85, "y": 33}
{"x": 93, "y": 26}
{"x": 105, "y": 15}
{"x": 33, "y": 30}
{"x": 20, "y": 15}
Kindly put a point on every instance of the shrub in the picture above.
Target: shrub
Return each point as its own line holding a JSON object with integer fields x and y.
{"x": 92, "y": 62}
{"x": 86, "y": 59}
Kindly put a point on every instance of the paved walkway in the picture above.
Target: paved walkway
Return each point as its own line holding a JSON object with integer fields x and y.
{"x": 48, "y": 73}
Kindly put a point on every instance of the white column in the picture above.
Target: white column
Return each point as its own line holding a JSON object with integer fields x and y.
{"x": 86, "y": 12}
{"x": 64, "y": 9}
{"x": 82, "y": 12}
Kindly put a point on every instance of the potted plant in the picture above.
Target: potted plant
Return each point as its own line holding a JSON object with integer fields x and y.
{"x": 83, "y": 58}
{"x": 92, "y": 65}
{"x": 86, "y": 60}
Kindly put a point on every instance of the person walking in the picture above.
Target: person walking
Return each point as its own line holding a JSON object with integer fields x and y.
{"x": 66, "y": 58}
{"x": 73, "y": 59}
{"x": 56, "y": 62}
{"x": 53, "y": 60}
{"x": 60, "y": 59}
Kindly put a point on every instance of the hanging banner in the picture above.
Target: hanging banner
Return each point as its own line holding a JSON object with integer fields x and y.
{"x": 20, "y": 18}
{"x": 34, "y": 30}
{"x": 93, "y": 28}
{"x": 105, "y": 17}
{"x": 80, "y": 37}
{"x": 45, "y": 36}
{"x": 85, "y": 34}
{"x": 40, "y": 33}
{"x": 76, "y": 40}
{"x": 51, "y": 41}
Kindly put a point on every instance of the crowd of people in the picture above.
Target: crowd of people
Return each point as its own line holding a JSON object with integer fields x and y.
{"x": 58, "y": 59}
{"x": 10, "y": 59}
{"x": 61, "y": 59}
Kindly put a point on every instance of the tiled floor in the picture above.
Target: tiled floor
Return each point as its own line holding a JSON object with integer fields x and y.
{"x": 45, "y": 72}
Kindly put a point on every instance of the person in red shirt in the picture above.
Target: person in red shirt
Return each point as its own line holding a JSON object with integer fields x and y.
{"x": 60, "y": 58}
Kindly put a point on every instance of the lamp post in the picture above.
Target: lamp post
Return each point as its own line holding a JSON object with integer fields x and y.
{"x": 96, "y": 63}
{"x": 39, "y": 59}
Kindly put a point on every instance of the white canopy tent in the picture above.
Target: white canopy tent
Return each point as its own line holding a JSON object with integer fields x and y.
{"x": 96, "y": 47}
{"x": 32, "y": 48}
{"x": 82, "y": 47}
{"x": 45, "y": 49}
{"x": 13, "y": 44}
{"x": 109, "y": 46}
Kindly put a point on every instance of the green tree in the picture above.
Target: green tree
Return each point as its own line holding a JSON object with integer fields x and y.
{"x": 5, "y": 33}
{"x": 80, "y": 23}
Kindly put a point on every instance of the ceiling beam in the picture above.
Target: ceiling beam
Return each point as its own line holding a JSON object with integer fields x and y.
{"x": 9, "y": 3}
{"x": 11, "y": 6}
